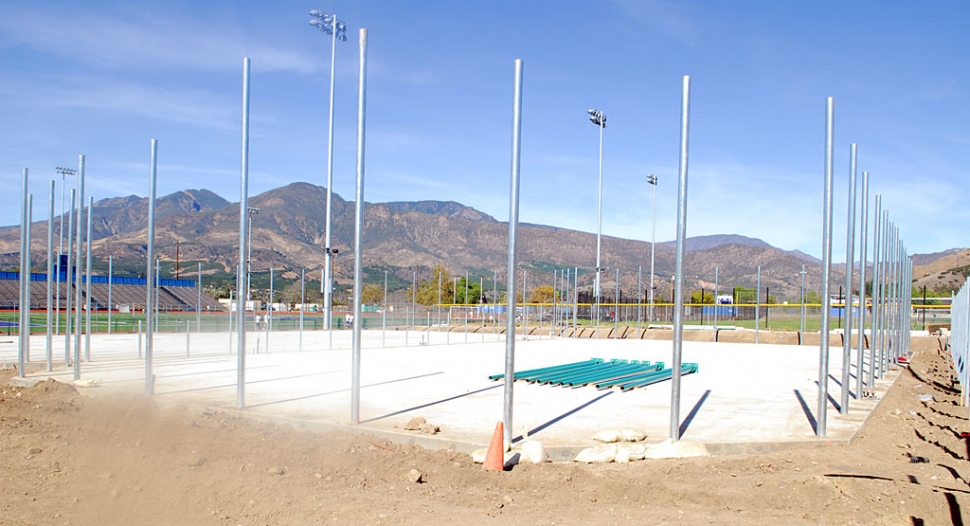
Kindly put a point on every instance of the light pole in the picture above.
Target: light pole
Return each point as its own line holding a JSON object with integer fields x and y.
{"x": 330, "y": 25}
{"x": 598, "y": 118}
{"x": 652, "y": 181}
{"x": 252, "y": 210}
{"x": 60, "y": 247}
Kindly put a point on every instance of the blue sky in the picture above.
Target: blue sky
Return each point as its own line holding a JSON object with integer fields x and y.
{"x": 103, "y": 78}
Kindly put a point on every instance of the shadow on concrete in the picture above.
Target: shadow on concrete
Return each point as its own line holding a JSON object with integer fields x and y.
{"x": 828, "y": 395}
{"x": 341, "y": 390}
{"x": 429, "y": 404}
{"x": 807, "y": 411}
{"x": 839, "y": 383}
{"x": 211, "y": 387}
{"x": 559, "y": 418}
{"x": 693, "y": 412}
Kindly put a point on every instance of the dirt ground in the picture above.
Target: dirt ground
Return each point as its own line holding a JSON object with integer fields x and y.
{"x": 69, "y": 458}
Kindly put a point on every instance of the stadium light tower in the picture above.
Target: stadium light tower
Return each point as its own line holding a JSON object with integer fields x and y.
{"x": 598, "y": 118}
{"x": 60, "y": 247}
{"x": 330, "y": 25}
{"x": 652, "y": 181}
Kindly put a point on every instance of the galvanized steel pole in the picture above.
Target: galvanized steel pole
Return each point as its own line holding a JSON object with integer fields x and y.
{"x": 876, "y": 295}
{"x": 87, "y": 286}
{"x": 111, "y": 269}
{"x": 50, "y": 271}
{"x": 513, "y": 237}
{"x": 150, "y": 274}
{"x": 302, "y": 305}
{"x": 79, "y": 236}
{"x": 801, "y": 330}
{"x": 823, "y": 366}
{"x": 70, "y": 280}
{"x": 652, "y": 180}
{"x": 849, "y": 263}
{"x": 757, "y": 308}
{"x": 359, "y": 225}
{"x": 23, "y": 330}
{"x": 860, "y": 354}
{"x": 716, "y": 291}
{"x": 242, "y": 291}
{"x": 679, "y": 265}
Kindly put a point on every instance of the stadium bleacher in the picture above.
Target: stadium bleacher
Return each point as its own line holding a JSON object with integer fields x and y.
{"x": 173, "y": 295}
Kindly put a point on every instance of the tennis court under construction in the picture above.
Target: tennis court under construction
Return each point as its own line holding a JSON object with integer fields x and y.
{"x": 736, "y": 397}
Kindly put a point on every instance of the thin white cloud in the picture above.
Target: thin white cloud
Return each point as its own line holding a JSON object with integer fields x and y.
{"x": 184, "y": 105}
{"x": 154, "y": 42}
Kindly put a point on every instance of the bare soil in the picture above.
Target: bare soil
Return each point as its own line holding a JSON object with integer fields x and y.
{"x": 69, "y": 458}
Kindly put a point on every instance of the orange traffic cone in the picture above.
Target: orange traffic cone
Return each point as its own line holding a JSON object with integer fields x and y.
{"x": 495, "y": 458}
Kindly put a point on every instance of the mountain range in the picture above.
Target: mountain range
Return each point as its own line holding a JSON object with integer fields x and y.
{"x": 288, "y": 235}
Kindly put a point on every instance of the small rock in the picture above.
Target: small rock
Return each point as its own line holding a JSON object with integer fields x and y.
{"x": 318, "y": 475}
{"x": 415, "y": 423}
{"x": 275, "y": 471}
{"x": 415, "y": 476}
{"x": 35, "y": 451}
{"x": 507, "y": 499}
{"x": 478, "y": 456}
{"x": 429, "y": 429}
{"x": 195, "y": 461}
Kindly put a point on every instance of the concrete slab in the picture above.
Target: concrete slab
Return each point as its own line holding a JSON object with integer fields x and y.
{"x": 744, "y": 399}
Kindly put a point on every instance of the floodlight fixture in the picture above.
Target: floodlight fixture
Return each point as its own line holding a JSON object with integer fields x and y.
{"x": 597, "y": 117}
{"x": 328, "y": 23}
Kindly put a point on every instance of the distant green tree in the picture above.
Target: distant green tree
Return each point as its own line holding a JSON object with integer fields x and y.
{"x": 474, "y": 292}
{"x": 428, "y": 290}
{"x": 708, "y": 297}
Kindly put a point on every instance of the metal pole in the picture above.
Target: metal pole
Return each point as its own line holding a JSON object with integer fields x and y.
{"x": 302, "y": 305}
{"x": 876, "y": 291}
{"x": 60, "y": 247}
{"x": 716, "y": 291}
{"x": 23, "y": 331}
{"x": 242, "y": 291}
{"x": 757, "y": 307}
{"x": 652, "y": 179}
{"x": 495, "y": 302}
{"x": 849, "y": 263}
{"x": 80, "y": 245}
{"x": 359, "y": 224}
{"x": 525, "y": 308}
{"x": 158, "y": 291}
{"x": 414, "y": 299}
{"x": 139, "y": 339}
{"x": 87, "y": 287}
{"x": 111, "y": 269}
{"x": 70, "y": 279}
{"x": 801, "y": 326}
{"x": 860, "y": 369}
{"x": 384, "y": 314}
{"x": 616, "y": 307}
{"x": 639, "y": 296}
{"x": 679, "y": 265}
{"x": 150, "y": 274}
{"x": 481, "y": 290}
{"x": 188, "y": 332}
{"x": 513, "y": 237}
{"x": 599, "y": 224}
{"x": 327, "y": 283}
{"x": 269, "y": 309}
{"x": 50, "y": 270}
{"x": 198, "y": 302}
{"x": 823, "y": 367}
{"x": 575, "y": 300}
{"x": 466, "y": 306}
